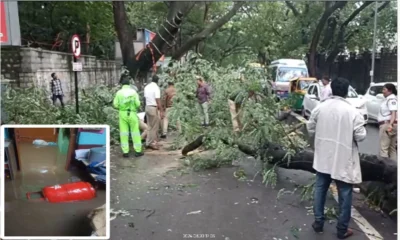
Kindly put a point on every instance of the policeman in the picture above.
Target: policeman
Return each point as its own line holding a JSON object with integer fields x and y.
{"x": 127, "y": 102}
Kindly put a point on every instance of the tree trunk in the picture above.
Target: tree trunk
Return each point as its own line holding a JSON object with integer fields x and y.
{"x": 373, "y": 168}
{"x": 339, "y": 42}
{"x": 317, "y": 34}
{"x": 124, "y": 33}
{"x": 192, "y": 42}
{"x": 164, "y": 39}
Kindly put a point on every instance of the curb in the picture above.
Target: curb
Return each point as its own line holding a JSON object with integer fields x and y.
{"x": 298, "y": 117}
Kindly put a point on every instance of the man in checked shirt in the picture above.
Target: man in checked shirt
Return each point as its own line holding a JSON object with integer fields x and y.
{"x": 56, "y": 89}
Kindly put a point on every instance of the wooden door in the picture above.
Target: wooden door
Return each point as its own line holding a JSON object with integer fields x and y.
{"x": 27, "y": 135}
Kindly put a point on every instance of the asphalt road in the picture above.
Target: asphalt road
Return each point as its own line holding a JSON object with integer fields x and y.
{"x": 371, "y": 144}
{"x": 162, "y": 200}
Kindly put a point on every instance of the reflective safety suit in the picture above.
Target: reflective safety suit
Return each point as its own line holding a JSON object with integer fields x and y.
{"x": 127, "y": 102}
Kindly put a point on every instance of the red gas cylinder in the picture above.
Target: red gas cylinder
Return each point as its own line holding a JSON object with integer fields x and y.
{"x": 69, "y": 192}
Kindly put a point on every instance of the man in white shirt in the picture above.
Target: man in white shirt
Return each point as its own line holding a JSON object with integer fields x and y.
{"x": 153, "y": 111}
{"x": 336, "y": 127}
{"x": 387, "y": 119}
{"x": 326, "y": 88}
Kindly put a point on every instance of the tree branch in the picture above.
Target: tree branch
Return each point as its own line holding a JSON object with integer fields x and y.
{"x": 317, "y": 33}
{"x": 207, "y": 31}
{"x": 355, "y": 14}
{"x": 293, "y": 8}
{"x": 341, "y": 39}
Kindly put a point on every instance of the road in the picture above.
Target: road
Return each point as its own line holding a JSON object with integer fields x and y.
{"x": 371, "y": 144}
{"x": 163, "y": 199}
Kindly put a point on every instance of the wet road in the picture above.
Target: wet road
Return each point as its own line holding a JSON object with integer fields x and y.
{"x": 165, "y": 201}
{"x": 371, "y": 144}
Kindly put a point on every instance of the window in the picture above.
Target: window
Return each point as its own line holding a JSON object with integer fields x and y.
{"x": 352, "y": 93}
{"x": 287, "y": 73}
{"x": 375, "y": 90}
{"x": 316, "y": 91}
{"x": 303, "y": 85}
{"x": 310, "y": 89}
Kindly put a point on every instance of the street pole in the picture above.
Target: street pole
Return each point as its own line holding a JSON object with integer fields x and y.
{"x": 76, "y": 89}
{"x": 374, "y": 43}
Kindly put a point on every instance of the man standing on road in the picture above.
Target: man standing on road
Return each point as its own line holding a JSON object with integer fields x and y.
{"x": 127, "y": 102}
{"x": 387, "y": 119}
{"x": 203, "y": 95}
{"x": 154, "y": 112}
{"x": 169, "y": 94}
{"x": 326, "y": 88}
{"x": 236, "y": 100}
{"x": 336, "y": 127}
{"x": 56, "y": 89}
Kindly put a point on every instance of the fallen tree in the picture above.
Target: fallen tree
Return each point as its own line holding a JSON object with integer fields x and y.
{"x": 373, "y": 168}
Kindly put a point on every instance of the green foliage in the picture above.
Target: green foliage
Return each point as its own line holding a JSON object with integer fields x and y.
{"x": 269, "y": 28}
{"x": 33, "y": 106}
{"x": 41, "y": 22}
{"x": 270, "y": 177}
{"x": 147, "y": 15}
{"x": 307, "y": 191}
{"x": 259, "y": 122}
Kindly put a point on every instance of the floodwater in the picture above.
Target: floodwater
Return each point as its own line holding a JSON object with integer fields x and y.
{"x": 42, "y": 167}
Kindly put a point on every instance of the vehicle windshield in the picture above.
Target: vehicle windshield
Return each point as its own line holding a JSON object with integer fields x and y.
{"x": 303, "y": 85}
{"x": 352, "y": 93}
{"x": 287, "y": 73}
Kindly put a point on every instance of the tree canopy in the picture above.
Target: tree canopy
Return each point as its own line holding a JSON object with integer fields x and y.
{"x": 224, "y": 32}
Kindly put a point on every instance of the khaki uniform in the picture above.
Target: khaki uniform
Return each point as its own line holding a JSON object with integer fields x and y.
{"x": 169, "y": 94}
{"x": 388, "y": 140}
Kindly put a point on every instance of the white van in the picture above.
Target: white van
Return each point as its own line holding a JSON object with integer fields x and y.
{"x": 282, "y": 71}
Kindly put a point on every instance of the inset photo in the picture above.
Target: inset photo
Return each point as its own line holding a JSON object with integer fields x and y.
{"x": 56, "y": 182}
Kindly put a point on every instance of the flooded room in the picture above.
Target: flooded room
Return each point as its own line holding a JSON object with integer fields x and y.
{"x": 55, "y": 180}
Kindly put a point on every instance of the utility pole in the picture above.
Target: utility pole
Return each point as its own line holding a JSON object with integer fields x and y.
{"x": 374, "y": 44}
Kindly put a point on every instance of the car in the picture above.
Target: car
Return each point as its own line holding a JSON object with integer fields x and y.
{"x": 313, "y": 96}
{"x": 374, "y": 98}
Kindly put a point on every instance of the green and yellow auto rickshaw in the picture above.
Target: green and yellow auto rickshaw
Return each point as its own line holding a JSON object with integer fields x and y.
{"x": 297, "y": 89}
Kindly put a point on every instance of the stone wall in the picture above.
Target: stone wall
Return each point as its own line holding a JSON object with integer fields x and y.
{"x": 30, "y": 67}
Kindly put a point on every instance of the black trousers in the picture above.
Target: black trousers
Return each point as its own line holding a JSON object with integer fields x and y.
{"x": 60, "y": 97}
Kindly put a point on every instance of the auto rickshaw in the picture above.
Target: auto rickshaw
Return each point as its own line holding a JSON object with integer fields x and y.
{"x": 297, "y": 89}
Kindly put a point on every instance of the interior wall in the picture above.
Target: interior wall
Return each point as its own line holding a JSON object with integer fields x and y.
{"x": 90, "y": 138}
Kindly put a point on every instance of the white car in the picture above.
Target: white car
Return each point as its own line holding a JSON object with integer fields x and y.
{"x": 374, "y": 98}
{"x": 313, "y": 96}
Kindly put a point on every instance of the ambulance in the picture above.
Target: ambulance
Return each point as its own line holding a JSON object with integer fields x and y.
{"x": 282, "y": 70}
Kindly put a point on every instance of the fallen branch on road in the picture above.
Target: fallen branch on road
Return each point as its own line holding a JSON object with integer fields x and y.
{"x": 373, "y": 168}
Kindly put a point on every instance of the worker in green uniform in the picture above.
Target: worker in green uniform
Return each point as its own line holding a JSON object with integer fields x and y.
{"x": 127, "y": 102}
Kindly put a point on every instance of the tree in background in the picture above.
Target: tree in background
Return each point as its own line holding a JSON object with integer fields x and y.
{"x": 224, "y": 32}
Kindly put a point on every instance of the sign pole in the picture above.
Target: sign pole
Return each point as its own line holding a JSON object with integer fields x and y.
{"x": 77, "y": 66}
{"x": 372, "y": 73}
{"x": 76, "y": 89}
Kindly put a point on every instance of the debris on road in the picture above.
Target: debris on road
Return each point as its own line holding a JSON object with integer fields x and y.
{"x": 115, "y": 213}
{"x": 194, "y": 212}
{"x": 254, "y": 200}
